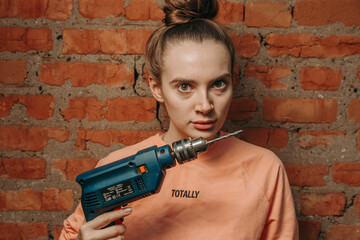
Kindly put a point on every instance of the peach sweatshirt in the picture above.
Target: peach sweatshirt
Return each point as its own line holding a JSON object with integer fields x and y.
{"x": 233, "y": 191}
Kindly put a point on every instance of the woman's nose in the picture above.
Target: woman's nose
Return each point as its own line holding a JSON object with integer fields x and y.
{"x": 204, "y": 103}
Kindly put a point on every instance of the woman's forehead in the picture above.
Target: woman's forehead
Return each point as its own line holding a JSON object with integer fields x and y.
{"x": 193, "y": 60}
{"x": 192, "y": 50}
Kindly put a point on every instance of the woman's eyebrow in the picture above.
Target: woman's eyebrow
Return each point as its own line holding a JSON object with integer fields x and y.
{"x": 186, "y": 80}
{"x": 182, "y": 80}
{"x": 225, "y": 75}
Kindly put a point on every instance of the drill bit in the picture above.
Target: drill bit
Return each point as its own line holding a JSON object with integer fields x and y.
{"x": 226, "y": 136}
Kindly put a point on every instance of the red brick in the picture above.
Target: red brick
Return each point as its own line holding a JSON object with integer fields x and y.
{"x": 13, "y": 72}
{"x": 272, "y": 138}
{"x": 81, "y": 107}
{"x": 343, "y": 232}
{"x": 300, "y": 110}
{"x": 50, "y": 9}
{"x": 320, "y": 78}
{"x": 267, "y": 14}
{"x": 82, "y": 74}
{"x": 56, "y": 200}
{"x": 108, "y": 137}
{"x": 58, "y": 134}
{"x": 6, "y": 103}
{"x": 242, "y": 109}
{"x": 26, "y": 199}
{"x": 23, "y": 230}
{"x": 353, "y": 110}
{"x": 358, "y": 140}
{"x": 322, "y": 204}
{"x": 136, "y": 39}
{"x": 269, "y": 75}
{"x": 307, "y": 175}
{"x": 105, "y": 41}
{"x": 117, "y": 109}
{"x": 38, "y": 106}
{"x": 347, "y": 173}
{"x": 70, "y": 168}
{"x": 247, "y": 45}
{"x": 309, "y": 229}
{"x": 101, "y": 9}
{"x": 25, "y": 168}
{"x": 143, "y": 10}
{"x": 309, "y": 139}
{"x": 326, "y": 12}
{"x": 230, "y": 12}
{"x": 59, "y": 10}
{"x": 25, "y": 39}
{"x": 305, "y": 46}
{"x": 29, "y": 199}
{"x": 357, "y": 205}
{"x": 30, "y": 138}
{"x": 57, "y": 232}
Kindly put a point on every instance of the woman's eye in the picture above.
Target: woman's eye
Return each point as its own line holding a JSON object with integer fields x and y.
{"x": 184, "y": 87}
{"x": 220, "y": 84}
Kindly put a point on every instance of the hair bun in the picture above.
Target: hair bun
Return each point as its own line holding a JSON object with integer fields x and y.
{"x": 183, "y": 11}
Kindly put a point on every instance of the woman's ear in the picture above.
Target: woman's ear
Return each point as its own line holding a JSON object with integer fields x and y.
{"x": 155, "y": 87}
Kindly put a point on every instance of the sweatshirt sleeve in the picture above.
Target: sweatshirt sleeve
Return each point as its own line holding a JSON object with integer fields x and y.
{"x": 281, "y": 221}
{"x": 72, "y": 225}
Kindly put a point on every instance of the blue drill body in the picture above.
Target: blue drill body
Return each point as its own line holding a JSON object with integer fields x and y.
{"x": 116, "y": 184}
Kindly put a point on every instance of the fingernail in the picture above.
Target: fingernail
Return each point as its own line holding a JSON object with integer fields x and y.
{"x": 127, "y": 210}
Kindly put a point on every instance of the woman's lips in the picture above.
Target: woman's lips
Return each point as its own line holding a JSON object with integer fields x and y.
{"x": 203, "y": 125}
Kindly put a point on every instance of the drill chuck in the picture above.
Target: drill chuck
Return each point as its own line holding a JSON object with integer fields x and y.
{"x": 187, "y": 149}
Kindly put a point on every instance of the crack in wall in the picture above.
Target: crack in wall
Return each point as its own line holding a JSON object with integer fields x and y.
{"x": 268, "y": 138}
{"x": 46, "y": 8}
{"x": 136, "y": 75}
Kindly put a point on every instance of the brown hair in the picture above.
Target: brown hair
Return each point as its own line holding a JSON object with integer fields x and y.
{"x": 185, "y": 20}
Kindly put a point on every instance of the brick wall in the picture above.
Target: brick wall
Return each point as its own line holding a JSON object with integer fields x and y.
{"x": 73, "y": 89}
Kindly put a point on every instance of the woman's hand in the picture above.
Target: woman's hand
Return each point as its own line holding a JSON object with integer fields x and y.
{"x": 93, "y": 229}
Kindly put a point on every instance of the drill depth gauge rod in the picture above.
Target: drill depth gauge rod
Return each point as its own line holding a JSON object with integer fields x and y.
{"x": 129, "y": 179}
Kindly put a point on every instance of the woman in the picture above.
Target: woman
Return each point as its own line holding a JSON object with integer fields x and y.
{"x": 235, "y": 190}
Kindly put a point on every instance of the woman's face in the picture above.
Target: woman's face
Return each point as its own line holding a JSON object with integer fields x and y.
{"x": 196, "y": 88}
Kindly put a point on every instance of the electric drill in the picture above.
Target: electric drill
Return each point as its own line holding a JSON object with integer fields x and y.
{"x": 118, "y": 183}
